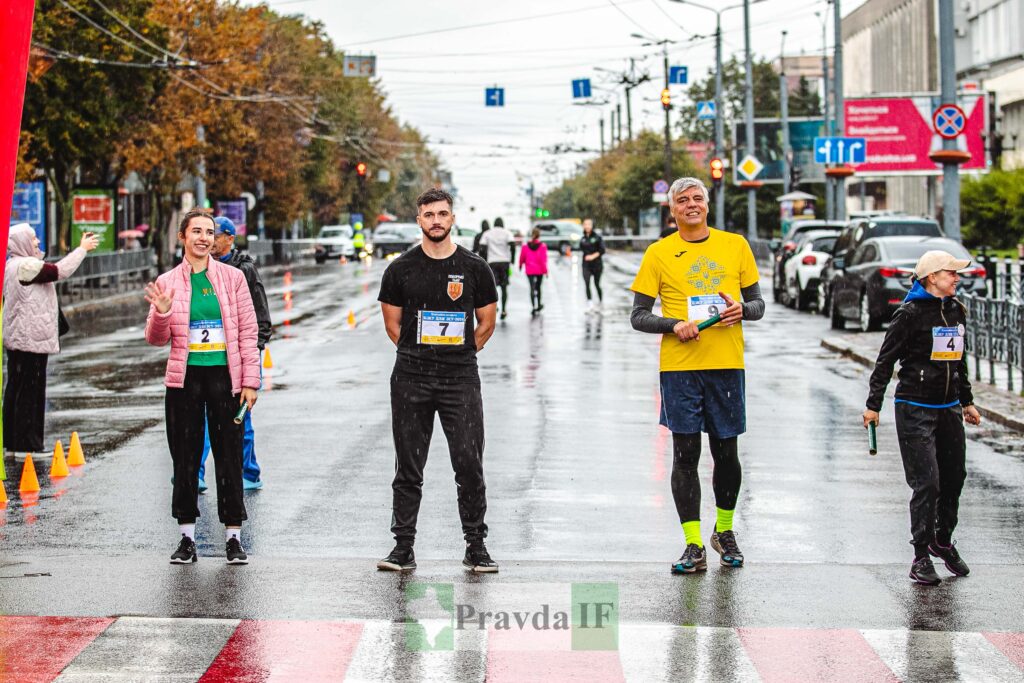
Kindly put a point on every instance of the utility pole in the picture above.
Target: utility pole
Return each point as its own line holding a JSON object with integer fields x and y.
{"x": 840, "y": 118}
{"x": 602, "y": 134}
{"x": 618, "y": 123}
{"x": 719, "y": 126}
{"x": 949, "y": 156}
{"x": 824, "y": 104}
{"x": 787, "y": 150}
{"x": 201, "y": 170}
{"x": 749, "y": 102}
{"x": 668, "y": 123}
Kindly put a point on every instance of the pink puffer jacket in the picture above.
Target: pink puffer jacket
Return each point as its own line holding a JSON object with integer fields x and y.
{"x": 534, "y": 256}
{"x": 237, "y": 313}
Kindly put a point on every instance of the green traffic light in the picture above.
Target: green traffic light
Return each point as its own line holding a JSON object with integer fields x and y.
{"x": 546, "y": 213}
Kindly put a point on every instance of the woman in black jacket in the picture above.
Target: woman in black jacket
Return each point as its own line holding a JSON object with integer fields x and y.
{"x": 592, "y": 247}
{"x": 933, "y": 398}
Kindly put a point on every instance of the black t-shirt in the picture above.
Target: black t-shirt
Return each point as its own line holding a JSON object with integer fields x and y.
{"x": 438, "y": 298}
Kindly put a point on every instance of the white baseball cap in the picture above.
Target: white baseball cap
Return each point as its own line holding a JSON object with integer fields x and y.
{"x": 934, "y": 261}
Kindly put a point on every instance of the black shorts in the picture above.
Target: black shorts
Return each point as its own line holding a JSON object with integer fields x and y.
{"x": 500, "y": 270}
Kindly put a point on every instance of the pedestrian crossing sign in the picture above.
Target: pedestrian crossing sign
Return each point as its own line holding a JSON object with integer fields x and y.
{"x": 706, "y": 110}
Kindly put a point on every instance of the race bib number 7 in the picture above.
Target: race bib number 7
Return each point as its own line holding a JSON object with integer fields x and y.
{"x": 701, "y": 308}
{"x": 206, "y": 336}
{"x": 441, "y": 327}
{"x": 948, "y": 343}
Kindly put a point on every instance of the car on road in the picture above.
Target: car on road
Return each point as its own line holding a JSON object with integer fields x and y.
{"x": 464, "y": 236}
{"x": 854, "y": 233}
{"x": 877, "y": 278}
{"x": 784, "y": 249}
{"x": 561, "y": 235}
{"x": 395, "y": 238}
{"x": 802, "y": 269}
{"x": 333, "y": 241}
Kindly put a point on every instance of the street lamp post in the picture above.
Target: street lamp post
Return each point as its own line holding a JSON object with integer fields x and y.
{"x": 824, "y": 102}
{"x": 949, "y": 155}
{"x": 839, "y": 187}
{"x": 667, "y": 173}
{"x": 787, "y": 152}
{"x": 748, "y": 87}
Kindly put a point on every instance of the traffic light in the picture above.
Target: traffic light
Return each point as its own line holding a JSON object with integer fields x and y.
{"x": 541, "y": 213}
{"x": 717, "y": 171}
{"x": 795, "y": 173}
{"x": 361, "y": 169}
{"x": 666, "y": 98}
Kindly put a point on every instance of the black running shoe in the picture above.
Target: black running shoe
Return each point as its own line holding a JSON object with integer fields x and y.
{"x": 923, "y": 572}
{"x": 401, "y": 559}
{"x": 724, "y": 544}
{"x": 235, "y": 553}
{"x": 949, "y": 555}
{"x": 186, "y": 551}
{"x": 478, "y": 559}
{"x": 694, "y": 559}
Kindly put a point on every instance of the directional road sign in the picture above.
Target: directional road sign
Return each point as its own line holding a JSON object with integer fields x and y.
{"x": 949, "y": 120}
{"x": 749, "y": 167}
{"x": 677, "y": 75}
{"x": 660, "y": 187}
{"x": 840, "y": 150}
{"x": 706, "y": 110}
{"x": 581, "y": 87}
{"x": 494, "y": 97}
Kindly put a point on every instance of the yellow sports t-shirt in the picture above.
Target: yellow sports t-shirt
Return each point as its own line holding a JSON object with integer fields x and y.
{"x": 687, "y": 277}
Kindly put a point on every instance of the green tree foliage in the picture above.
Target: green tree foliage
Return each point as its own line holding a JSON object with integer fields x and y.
{"x": 804, "y": 101}
{"x": 992, "y": 209}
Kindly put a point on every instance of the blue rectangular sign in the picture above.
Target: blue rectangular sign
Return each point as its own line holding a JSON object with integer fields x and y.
{"x": 677, "y": 75}
{"x": 494, "y": 97}
{"x": 834, "y": 150}
{"x": 581, "y": 87}
{"x": 706, "y": 110}
{"x": 29, "y": 206}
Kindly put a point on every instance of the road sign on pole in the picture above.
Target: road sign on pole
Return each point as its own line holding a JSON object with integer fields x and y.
{"x": 581, "y": 87}
{"x": 494, "y": 97}
{"x": 359, "y": 66}
{"x": 749, "y": 167}
{"x": 660, "y": 186}
{"x": 706, "y": 110}
{"x": 836, "y": 150}
{"x": 677, "y": 75}
{"x": 949, "y": 120}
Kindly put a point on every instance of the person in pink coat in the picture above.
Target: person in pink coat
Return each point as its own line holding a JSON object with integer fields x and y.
{"x": 204, "y": 309}
{"x": 533, "y": 257}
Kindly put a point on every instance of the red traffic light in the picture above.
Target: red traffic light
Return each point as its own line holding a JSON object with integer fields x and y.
{"x": 717, "y": 169}
{"x": 361, "y": 169}
{"x": 666, "y": 98}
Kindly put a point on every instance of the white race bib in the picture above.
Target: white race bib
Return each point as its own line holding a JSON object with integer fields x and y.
{"x": 206, "y": 336}
{"x": 948, "y": 343}
{"x": 701, "y": 308}
{"x": 441, "y": 327}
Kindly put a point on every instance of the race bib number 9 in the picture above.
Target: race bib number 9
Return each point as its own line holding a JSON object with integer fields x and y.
{"x": 442, "y": 327}
{"x": 206, "y": 336}
{"x": 701, "y": 308}
{"x": 948, "y": 343}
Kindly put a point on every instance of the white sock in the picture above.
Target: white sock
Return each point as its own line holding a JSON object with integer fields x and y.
{"x": 188, "y": 530}
{"x": 233, "y": 533}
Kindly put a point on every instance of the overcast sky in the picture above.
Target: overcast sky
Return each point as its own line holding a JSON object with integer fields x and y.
{"x": 435, "y": 58}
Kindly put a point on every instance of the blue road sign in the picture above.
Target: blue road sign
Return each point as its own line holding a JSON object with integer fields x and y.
{"x": 677, "y": 75}
{"x": 949, "y": 121}
{"x": 706, "y": 110}
{"x": 494, "y": 97}
{"x": 581, "y": 87}
{"x": 840, "y": 150}
{"x": 29, "y": 206}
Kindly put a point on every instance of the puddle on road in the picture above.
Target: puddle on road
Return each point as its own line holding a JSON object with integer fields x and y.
{"x": 113, "y": 376}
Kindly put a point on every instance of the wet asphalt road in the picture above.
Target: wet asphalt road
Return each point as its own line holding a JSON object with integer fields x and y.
{"x": 578, "y": 483}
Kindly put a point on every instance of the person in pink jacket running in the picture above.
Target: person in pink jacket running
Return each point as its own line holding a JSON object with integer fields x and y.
{"x": 204, "y": 309}
{"x": 533, "y": 257}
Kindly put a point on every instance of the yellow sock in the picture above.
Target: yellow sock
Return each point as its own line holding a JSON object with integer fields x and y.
{"x": 691, "y": 530}
{"x": 724, "y": 521}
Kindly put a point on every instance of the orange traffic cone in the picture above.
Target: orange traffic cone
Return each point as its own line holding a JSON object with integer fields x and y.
{"x": 351, "y": 319}
{"x": 343, "y": 260}
{"x": 76, "y": 458}
{"x": 58, "y": 466}
{"x": 267, "y": 362}
{"x": 29, "y": 480}
{"x": 3, "y": 495}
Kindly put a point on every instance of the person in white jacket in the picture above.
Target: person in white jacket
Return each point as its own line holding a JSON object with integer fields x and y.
{"x": 30, "y": 332}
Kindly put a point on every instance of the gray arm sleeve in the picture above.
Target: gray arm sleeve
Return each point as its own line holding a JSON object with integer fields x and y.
{"x": 643, "y": 319}
{"x": 753, "y": 303}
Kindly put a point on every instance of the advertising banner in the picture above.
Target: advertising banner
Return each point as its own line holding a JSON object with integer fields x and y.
{"x": 29, "y": 206}
{"x": 93, "y": 210}
{"x": 768, "y": 148}
{"x": 899, "y": 133}
{"x": 235, "y": 209}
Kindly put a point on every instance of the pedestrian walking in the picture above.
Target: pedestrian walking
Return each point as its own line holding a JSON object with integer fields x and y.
{"x": 933, "y": 399}
{"x": 501, "y": 251}
{"x": 479, "y": 250}
{"x": 204, "y": 309}
{"x": 31, "y": 332}
{"x": 438, "y": 301}
{"x": 533, "y": 258}
{"x": 592, "y": 246}
{"x": 698, "y": 273}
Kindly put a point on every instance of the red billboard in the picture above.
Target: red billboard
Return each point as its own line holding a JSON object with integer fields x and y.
{"x": 899, "y": 133}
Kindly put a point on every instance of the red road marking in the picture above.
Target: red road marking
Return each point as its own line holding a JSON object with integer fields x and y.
{"x": 1010, "y": 644}
{"x": 300, "y": 651}
{"x": 36, "y": 649}
{"x": 534, "y": 655}
{"x": 795, "y": 654}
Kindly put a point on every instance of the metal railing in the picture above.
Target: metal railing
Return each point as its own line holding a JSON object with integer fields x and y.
{"x": 995, "y": 336}
{"x": 1004, "y": 277}
{"x": 101, "y": 275}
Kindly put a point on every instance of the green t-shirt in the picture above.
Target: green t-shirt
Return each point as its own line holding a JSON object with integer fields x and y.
{"x": 206, "y": 342}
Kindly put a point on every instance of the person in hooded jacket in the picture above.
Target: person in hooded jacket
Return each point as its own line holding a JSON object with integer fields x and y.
{"x": 31, "y": 332}
{"x": 481, "y": 249}
{"x": 533, "y": 258}
{"x": 933, "y": 398}
{"x": 592, "y": 247}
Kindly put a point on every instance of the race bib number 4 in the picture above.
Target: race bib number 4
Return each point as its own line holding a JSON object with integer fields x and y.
{"x": 701, "y": 308}
{"x": 948, "y": 343}
{"x": 442, "y": 327}
{"x": 206, "y": 336}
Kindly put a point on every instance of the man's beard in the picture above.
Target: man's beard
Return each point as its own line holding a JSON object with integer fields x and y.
{"x": 442, "y": 238}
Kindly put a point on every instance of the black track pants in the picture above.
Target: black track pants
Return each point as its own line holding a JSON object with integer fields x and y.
{"x": 413, "y": 405}
{"x": 935, "y": 462}
{"x": 207, "y": 392}
{"x": 25, "y": 401}
{"x": 592, "y": 269}
{"x": 535, "y": 282}
{"x": 686, "y": 484}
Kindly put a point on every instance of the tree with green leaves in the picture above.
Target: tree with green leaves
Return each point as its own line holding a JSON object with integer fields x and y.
{"x": 992, "y": 209}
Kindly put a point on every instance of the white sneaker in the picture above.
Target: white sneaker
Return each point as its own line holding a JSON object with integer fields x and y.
{"x": 22, "y": 457}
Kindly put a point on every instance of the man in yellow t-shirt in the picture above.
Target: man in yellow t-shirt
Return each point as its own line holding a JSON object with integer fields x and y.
{"x": 698, "y": 273}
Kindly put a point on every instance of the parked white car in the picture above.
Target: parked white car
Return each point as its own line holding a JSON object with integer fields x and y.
{"x": 803, "y": 269}
{"x": 334, "y": 240}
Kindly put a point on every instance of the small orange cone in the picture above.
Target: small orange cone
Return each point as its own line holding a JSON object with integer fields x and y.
{"x": 351, "y": 319}
{"x": 343, "y": 260}
{"x": 29, "y": 480}
{"x": 267, "y": 362}
{"x": 76, "y": 458}
{"x": 3, "y": 495}
{"x": 58, "y": 466}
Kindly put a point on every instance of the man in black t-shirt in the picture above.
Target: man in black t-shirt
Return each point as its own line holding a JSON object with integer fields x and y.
{"x": 439, "y": 304}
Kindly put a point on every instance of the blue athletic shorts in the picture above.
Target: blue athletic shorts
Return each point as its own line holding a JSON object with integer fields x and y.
{"x": 711, "y": 401}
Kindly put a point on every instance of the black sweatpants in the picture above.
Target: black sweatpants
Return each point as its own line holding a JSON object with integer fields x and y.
{"x": 934, "y": 454}
{"x": 413, "y": 404}
{"x": 592, "y": 269}
{"x": 725, "y": 481}
{"x": 207, "y": 392}
{"x": 25, "y": 401}
{"x": 535, "y": 283}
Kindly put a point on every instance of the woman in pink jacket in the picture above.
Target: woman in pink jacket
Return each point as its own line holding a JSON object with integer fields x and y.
{"x": 30, "y": 332}
{"x": 534, "y": 258}
{"x": 204, "y": 309}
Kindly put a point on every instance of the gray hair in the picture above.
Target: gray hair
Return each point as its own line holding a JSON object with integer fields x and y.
{"x": 685, "y": 184}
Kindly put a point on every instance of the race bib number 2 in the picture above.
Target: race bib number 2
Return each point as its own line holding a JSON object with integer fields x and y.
{"x": 701, "y": 308}
{"x": 205, "y": 336}
{"x": 948, "y": 343}
{"x": 442, "y": 327}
